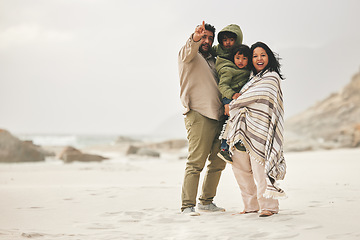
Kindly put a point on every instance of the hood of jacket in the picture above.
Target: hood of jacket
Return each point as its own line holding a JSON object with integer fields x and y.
{"x": 219, "y": 50}
{"x": 234, "y": 29}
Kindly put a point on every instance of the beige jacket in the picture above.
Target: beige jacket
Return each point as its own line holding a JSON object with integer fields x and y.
{"x": 198, "y": 82}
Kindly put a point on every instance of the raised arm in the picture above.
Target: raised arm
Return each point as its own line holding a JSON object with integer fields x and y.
{"x": 191, "y": 48}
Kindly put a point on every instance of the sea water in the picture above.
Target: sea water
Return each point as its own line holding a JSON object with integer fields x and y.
{"x": 77, "y": 141}
{"x": 85, "y": 140}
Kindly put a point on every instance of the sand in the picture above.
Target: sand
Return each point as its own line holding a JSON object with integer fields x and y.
{"x": 139, "y": 198}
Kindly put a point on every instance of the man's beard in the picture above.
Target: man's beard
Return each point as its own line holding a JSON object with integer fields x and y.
{"x": 202, "y": 51}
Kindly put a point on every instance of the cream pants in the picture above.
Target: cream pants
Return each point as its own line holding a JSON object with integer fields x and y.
{"x": 247, "y": 172}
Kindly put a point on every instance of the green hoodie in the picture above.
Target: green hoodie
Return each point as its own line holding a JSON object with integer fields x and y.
{"x": 231, "y": 78}
{"x": 219, "y": 50}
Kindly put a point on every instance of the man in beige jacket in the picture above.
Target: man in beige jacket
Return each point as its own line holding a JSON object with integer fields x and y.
{"x": 201, "y": 98}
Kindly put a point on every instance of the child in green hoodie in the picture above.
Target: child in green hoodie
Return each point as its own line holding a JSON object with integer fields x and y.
{"x": 233, "y": 74}
{"x": 229, "y": 37}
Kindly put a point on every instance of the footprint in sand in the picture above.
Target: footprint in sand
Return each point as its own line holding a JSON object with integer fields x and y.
{"x": 101, "y": 226}
{"x": 107, "y": 214}
{"x": 296, "y": 213}
{"x": 344, "y": 236}
{"x": 316, "y": 204}
{"x": 129, "y": 221}
{"x": 32, "y": 235}
{"x": 134, "y": 214}
{"x": 131, "y": 216}
{"x": 311, "y": 227}
{"x": 286, "y": 235}
{"x": 260, "y": 235}
{"x": 35, "y": 207}
{"x": 282, "y": 218}
{"x": 288, "y": 215}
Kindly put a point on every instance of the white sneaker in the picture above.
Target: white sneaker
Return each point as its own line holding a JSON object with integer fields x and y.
{"x": 210, "y": 208}
{"x": 190, "y": 211}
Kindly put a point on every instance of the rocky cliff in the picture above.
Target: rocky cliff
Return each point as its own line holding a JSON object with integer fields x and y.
{"x": 331, "y": 123}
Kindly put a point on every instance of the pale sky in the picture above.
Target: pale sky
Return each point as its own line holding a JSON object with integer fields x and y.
{"x": 110, "y": 66}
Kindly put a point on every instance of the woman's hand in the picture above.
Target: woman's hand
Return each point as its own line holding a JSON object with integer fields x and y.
{"x": 227, "y": 110}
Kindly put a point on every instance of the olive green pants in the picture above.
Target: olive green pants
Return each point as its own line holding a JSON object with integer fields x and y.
{"x": 203, "y": 137}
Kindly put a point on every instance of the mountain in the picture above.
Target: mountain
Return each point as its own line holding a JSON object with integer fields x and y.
{"x": 331, "y": 123}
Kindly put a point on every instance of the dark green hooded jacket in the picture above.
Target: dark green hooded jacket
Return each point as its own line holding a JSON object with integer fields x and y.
{"x": 219, "y": 50}
{"x": 231, "y": 78}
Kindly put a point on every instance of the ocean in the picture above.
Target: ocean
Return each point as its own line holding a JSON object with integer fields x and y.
{"x": 85, "y": 140}
{"x": 77, "y": 141}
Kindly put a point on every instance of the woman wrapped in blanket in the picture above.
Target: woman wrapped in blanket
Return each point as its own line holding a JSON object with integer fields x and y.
{"x": 255, "y": 134}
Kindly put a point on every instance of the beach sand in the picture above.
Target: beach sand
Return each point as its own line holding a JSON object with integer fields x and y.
{"x": 139, "y": 198}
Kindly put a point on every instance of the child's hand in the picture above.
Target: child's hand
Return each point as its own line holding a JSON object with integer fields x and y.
{"x": 236, "y": 95}
{"x": 227, "y": 110}
{"x": 199, "y": 32}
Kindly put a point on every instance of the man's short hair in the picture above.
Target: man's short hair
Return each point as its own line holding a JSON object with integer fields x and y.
{"x": 210, "y": 28}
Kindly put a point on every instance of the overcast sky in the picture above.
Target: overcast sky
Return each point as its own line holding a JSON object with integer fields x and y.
{"x": 110, "y": 67}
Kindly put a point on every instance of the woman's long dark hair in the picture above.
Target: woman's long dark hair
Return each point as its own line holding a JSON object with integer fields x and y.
{"x": 273, "y": 65}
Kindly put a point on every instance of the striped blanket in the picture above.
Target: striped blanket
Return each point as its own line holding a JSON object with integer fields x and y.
{"x": 256, "y": 120}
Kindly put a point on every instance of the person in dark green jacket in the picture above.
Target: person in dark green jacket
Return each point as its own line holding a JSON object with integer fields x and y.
{"x": 233, "y": 74}
{"x": 229, "y": 37}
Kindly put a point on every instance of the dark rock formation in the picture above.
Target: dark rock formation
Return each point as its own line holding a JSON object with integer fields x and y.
{"x": 13, "y": 149}
{"x": 141, "y": 151}
{"x": 71, "y": 154}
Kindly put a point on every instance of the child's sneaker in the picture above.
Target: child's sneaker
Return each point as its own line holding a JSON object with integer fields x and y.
{"x": 224, "y": 155}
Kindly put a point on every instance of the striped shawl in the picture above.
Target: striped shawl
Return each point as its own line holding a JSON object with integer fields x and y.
{"x": 256, "y": 120}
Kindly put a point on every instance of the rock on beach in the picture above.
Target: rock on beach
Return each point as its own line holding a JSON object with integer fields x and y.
{"x": 71, "y": 154}
{"x": 12, "y": 149}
